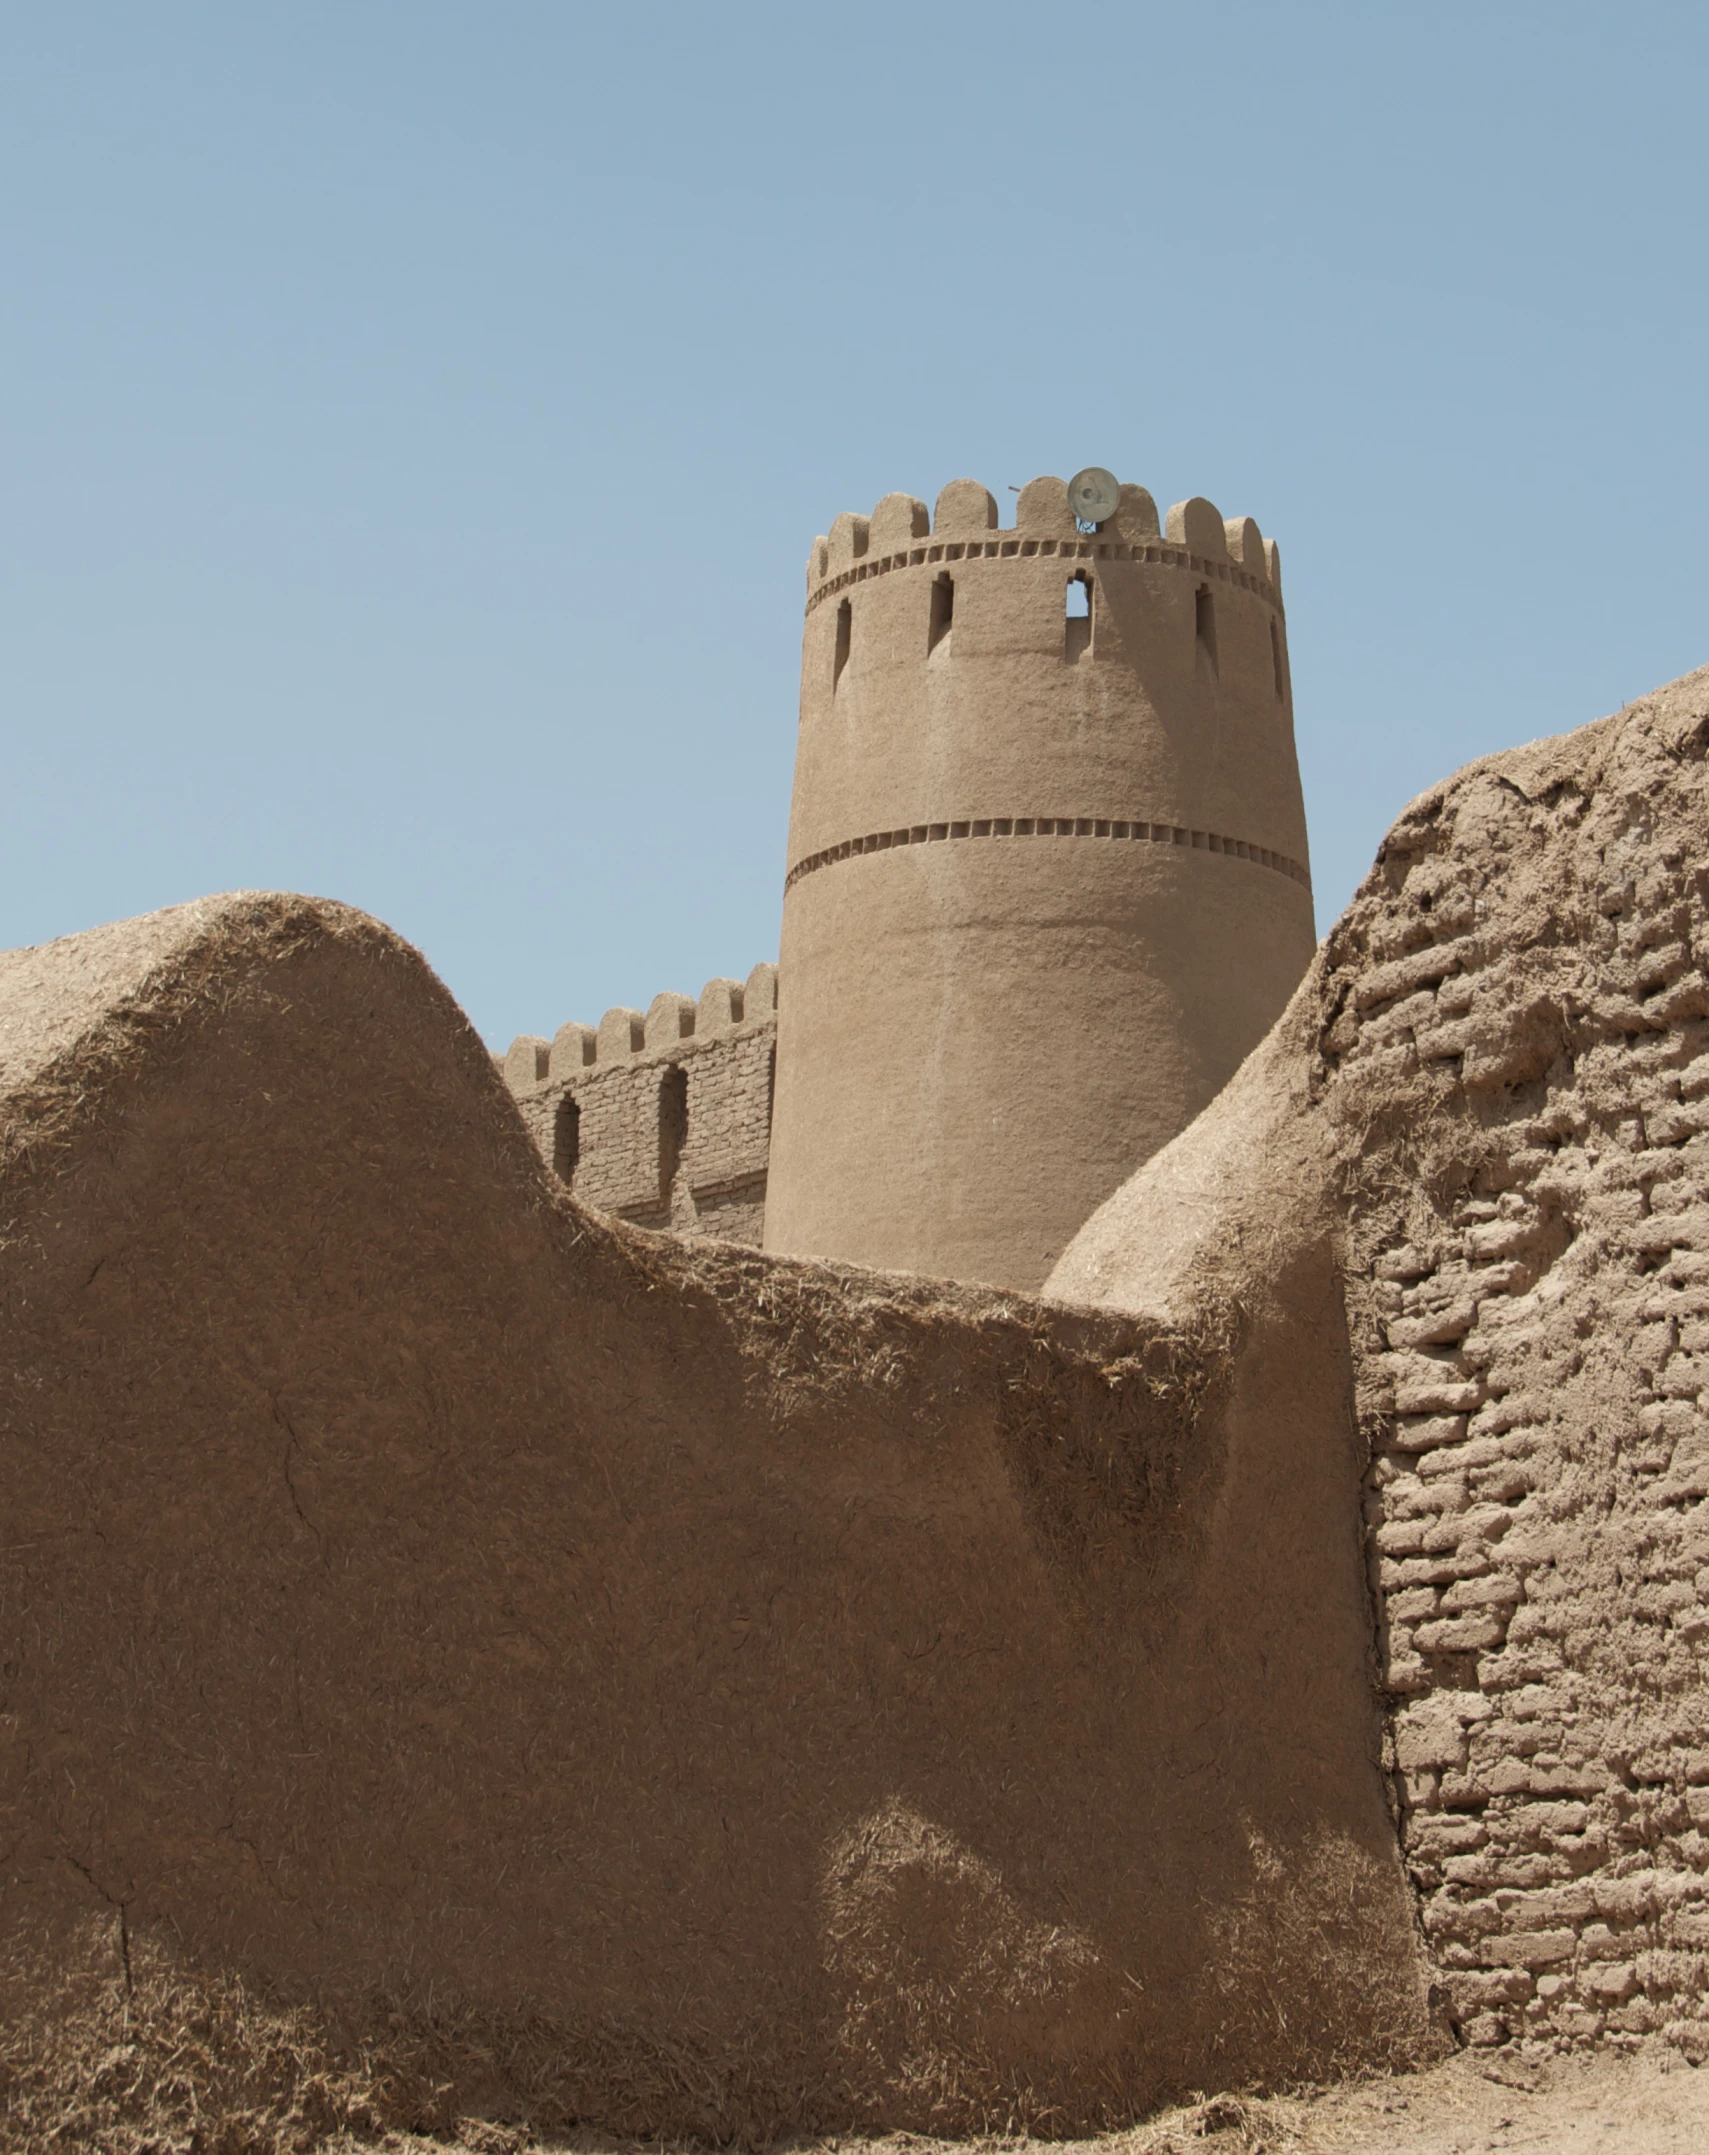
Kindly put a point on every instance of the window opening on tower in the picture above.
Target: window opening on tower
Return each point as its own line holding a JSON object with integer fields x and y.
{"x": 943, "y": 610}
{"x": 1077, "y": 616}
{"x": 845, "y": 632}
{"x": 1204, "y": 623}
{"x": 1276, "y": 660}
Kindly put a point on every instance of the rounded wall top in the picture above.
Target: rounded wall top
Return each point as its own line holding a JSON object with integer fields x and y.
{"x": 897, "y": 519}
{"x": 1042, "y": 506}
{"x": 964, "y": 507}
{"x": 1197, "y": 525}
{"x": 851, "y": 536}
{"x": 967, "y": 510}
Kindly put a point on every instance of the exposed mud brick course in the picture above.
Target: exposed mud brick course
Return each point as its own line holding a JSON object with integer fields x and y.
{"x": 666, "y": 1127}
{"x": 1520, "y": 999}
{"x": 1490, "y": 1101}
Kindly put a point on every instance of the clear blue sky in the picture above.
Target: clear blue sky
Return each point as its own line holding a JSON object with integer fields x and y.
{"x": 416, "y": 415}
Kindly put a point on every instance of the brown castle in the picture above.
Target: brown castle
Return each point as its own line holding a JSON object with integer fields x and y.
{"x": 466, "y": 1656}
{"x": 1046, "y": 888}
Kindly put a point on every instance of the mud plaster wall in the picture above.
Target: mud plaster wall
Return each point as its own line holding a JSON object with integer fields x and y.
{"x": 693, "y": 1691}
{"x": 1047, "y": 884}
{"x": 888, "y": 1702}
{"x": 662, "y": 1119}
{"x": 1047, "y": 880}
{"x": 1492, "y": 1096}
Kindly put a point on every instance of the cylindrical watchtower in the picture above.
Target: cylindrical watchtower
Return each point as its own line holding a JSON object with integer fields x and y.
{"x": 1047, "y": 877}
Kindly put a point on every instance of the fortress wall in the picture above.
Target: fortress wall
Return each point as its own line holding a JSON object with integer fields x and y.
{"x": 665, "y": 1118}
{"x": 1491, "y": 1097}
{"x": 1047, "y": 880}
{"x": 1536, "y": 1382}
{"x": 629, "y": 1149}
{"x": 589, "y": 1678}
{"x": 994, "y": 721}
{"x": 1041, "y": 1074}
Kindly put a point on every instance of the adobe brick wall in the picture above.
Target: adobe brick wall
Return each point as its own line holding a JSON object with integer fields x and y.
{"x": 1491, "y": 1098}
{"x": 662, "y": 1119}
{"x": 1534, "y": 1382}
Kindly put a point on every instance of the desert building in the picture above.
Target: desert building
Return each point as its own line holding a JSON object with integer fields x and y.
{"x": 471, "y": 1660}
{"x": 662, "y": 1117}
{"x": 1046, "y": 886}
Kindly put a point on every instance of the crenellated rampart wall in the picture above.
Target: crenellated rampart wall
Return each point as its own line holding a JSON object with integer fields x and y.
{"x": 662, "y": 1117}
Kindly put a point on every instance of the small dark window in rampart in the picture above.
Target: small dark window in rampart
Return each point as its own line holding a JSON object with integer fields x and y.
{"x": 566, "y": 1139}
{"x": 1204, "y": 623}
{"x": 673, "y": 1126}
{"x": 845, "y": 636}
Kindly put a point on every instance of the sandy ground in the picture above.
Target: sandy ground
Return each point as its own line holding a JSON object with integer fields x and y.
{"x": 1647, "y": 2105}
{"x": 1651, "y": 2104}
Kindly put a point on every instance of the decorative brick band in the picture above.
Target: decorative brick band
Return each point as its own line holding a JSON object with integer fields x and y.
{"x": 1004, "y": 549}
{"x": 1161, "y": 834}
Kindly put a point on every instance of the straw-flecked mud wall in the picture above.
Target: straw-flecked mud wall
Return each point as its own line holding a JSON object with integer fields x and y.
{"x": 464, "y": 1655}
{"x": 1490, "y": 1100}
{"x": 588, "y": 1677}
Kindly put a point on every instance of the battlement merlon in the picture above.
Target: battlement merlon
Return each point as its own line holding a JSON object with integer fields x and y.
{"x": 623, "y": 1037}
{"x": 966, "y": 510}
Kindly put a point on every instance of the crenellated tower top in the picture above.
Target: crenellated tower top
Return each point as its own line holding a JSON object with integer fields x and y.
{"x": 902, "y": 533}
{"x": 1047, "y": 879}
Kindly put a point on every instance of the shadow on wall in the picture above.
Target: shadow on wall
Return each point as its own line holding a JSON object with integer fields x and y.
{"x": 1495, "y": 1085}
{"x": 620, "y": 1681}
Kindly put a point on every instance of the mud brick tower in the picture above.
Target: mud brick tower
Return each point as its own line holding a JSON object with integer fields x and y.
{"x": 1047, "y": 878}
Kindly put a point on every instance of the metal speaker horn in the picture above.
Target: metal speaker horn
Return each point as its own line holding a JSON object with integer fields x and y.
{"x": 1094, "y": 494}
